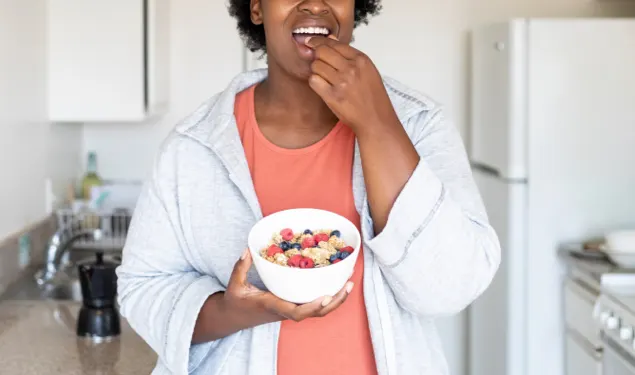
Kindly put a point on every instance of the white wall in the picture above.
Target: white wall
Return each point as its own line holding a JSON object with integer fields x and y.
{"x": 423, "y": 43}
{"x": 31, "y": 149}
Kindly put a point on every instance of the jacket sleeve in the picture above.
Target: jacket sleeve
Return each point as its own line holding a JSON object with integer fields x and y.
{"x": 159, "y": 291}
{"x": 437, "y": 252}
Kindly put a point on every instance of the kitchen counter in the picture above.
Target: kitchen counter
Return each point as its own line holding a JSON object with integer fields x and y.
{"x": 38, "y": 337}
{"x": 588, "y": 270}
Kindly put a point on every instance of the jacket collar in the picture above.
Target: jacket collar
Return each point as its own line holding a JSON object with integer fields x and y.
{"x": 214, "y": 126}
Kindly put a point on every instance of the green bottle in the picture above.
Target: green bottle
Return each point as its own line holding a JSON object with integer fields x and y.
{"x": 91, "y": 178}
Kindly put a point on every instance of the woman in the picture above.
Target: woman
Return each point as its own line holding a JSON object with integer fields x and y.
{"x": 320, "y": 128}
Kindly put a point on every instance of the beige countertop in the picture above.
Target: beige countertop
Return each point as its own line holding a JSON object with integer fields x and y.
{"x": 38, "y": 338}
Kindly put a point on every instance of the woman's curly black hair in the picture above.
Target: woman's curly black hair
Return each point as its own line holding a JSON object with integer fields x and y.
{"x": 254, "y": 35}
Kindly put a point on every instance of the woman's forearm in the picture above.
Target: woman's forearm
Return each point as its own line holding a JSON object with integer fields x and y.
{"x": 388, "y": 160}
{"x": 217, "y": 319}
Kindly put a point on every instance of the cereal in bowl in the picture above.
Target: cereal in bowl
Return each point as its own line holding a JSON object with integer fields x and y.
{"x": 308, "y": 249}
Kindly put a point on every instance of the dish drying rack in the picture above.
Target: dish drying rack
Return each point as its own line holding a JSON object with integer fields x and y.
{"x": 113, "y": 224}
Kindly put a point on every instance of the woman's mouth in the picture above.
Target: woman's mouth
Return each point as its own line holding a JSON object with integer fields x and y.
{"x": 302, "y": 33}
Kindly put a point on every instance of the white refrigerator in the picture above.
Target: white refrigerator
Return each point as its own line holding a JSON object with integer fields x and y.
{"x": 552, "y": 144}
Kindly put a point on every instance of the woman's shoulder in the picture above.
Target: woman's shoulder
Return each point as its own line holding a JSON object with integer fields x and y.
{"x": 213, "y": 118}
{"x": 417, "y": 111}
{"x": 408, "y": 100}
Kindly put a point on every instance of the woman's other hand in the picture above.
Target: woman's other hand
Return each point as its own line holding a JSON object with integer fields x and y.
{"x": 244, "y": 306}
{"x": 243, "y": 296}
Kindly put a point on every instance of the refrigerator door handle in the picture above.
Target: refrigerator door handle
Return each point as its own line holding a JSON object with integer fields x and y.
{"x": 493, "y": 172}
{"x": 486, "y": 169}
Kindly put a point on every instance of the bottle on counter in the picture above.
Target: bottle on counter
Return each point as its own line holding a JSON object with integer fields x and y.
{"x": 91, "y": 178}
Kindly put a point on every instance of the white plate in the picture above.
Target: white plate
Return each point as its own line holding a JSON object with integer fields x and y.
{"x": 606, "y": 249}
{"x": 624, "y": 260}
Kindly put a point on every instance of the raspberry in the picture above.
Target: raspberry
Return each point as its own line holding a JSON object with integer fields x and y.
{"x": 287, "y": 234}
{"x": 294, "y": 261}
{"x": 347, "y": 249}
{"x": 308, "y": 242}
{"x": 336, "y": 261}
{"x": 306, "y": 262}
{"x": 321, "y": 237}
{"x": 273, "y": 250}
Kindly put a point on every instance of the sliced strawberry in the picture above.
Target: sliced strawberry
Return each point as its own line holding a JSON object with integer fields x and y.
{"x": 347, "y": 249}
{"x": 287, "y": 234}
{"x": 273, "y": 250}
{"x": 294, "y": 261}
{"x": 336, "y": 261}
{"x": 308, "y": 242}
{"x": 321, "y": 237}
{"x": 306, "y": 262}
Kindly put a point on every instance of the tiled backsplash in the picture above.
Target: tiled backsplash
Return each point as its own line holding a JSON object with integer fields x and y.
{"x": 10, "y": 258}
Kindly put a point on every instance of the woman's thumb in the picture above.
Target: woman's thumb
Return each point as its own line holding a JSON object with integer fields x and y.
{"x": 241, "y": 268}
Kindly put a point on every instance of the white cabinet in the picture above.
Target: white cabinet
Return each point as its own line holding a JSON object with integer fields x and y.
{"x": 108, "y": 61}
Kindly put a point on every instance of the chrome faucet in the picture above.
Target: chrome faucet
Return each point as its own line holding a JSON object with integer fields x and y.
{"x": 57, "y": 247}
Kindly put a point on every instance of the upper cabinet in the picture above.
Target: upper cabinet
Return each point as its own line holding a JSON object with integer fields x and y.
{"x": 108, "y": 60}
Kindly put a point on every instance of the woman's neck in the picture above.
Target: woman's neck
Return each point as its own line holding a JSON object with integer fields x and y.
{"x": 281, "y": 93}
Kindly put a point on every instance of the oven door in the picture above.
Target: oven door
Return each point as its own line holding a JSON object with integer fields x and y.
{"x": 616, "y": 360}
{"x": 581, "y": 357}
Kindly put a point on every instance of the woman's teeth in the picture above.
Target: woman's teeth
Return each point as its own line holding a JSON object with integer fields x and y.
{"x": 312, "y": 30}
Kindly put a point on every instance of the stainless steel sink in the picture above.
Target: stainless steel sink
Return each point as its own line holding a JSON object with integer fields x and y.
{"x": 64, "y": 288}
{"x": 57, "y": 279}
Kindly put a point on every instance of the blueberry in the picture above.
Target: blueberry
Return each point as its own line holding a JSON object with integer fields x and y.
{"x": 308, "y": 231}
{"x": 296, "y": 246}
{"x": 284, "y": 245}
{"x": 336, "y": 233}
{"x": 344, "y": 255}
{"x": 335, "y": 257}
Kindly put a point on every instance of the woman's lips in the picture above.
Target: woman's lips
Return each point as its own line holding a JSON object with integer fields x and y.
{"x": 305, "y": 51}
{"x": 301, "y": 38}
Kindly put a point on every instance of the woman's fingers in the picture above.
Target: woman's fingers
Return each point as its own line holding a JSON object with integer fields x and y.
{"x": 325, "y": 71}
{"x": 289, "y": 310}
{"x": 242, "y": 266}
{"x": 239, "y": 288}
{"x": 300, "y": 312}
{"x": 338, "y": 300}
{"x": 318, "y": 308}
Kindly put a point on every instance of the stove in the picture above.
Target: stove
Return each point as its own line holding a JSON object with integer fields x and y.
{"x": 614, "y": 314}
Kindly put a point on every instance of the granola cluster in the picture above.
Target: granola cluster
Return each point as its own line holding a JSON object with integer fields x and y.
{"x": 308, "y": 249}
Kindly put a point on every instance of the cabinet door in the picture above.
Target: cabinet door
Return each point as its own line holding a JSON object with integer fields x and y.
{"x": 97, "y": 69}
{"x": 158, "y": 56}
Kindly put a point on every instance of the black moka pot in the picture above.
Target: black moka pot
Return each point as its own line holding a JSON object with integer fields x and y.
{"x": 98, "y": 317}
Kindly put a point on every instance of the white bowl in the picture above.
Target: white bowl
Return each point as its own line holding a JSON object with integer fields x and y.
{"x": 303, "y": 285}
{"x": 621, "y": 241}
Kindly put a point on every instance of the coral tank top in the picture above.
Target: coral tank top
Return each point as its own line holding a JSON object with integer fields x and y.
{"x": 318, "y": 176}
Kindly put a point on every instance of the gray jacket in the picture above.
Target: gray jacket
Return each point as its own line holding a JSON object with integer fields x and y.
{"x": 436, "y": 254}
